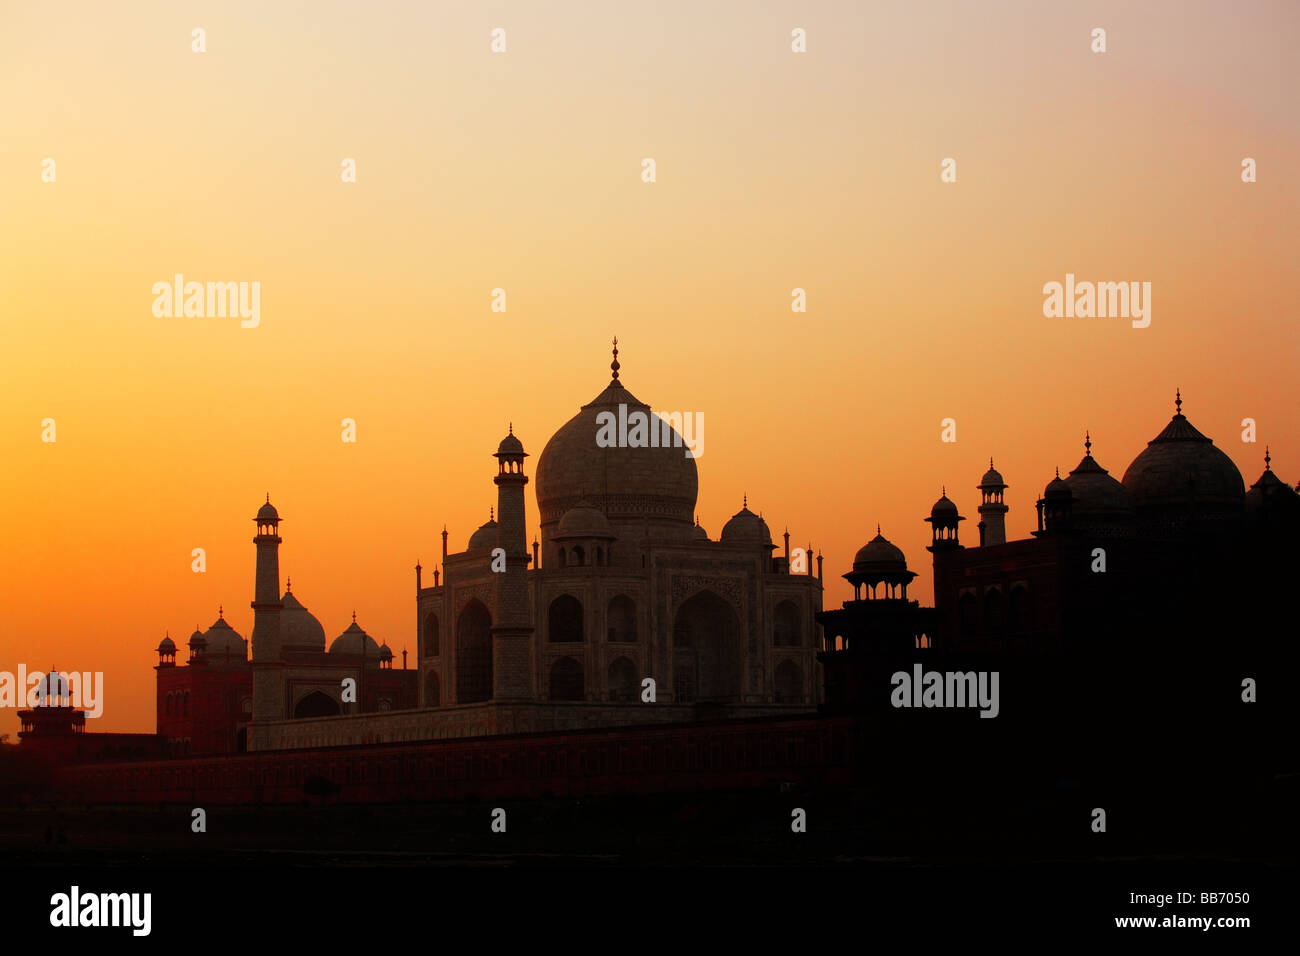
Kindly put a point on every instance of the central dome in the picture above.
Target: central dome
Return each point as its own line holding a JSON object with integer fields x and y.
{"x": 639, "y": 490}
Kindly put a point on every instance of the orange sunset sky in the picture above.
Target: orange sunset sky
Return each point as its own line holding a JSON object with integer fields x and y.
{"x": 522, "y": 171}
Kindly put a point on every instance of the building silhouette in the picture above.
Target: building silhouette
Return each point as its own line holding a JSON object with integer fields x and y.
{"x": 1153, "y": 608}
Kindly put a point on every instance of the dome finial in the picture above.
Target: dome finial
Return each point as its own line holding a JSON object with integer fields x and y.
{"x": 288, "y": 585}
{"x": 1178, "y": 401}
{"x": 744, "y": 501}
{"x": 354, "y": 617}
{"x": 221, "y": 612}
{"x": 878, "y": 524}
{"x": 1058, "y": 471}
{"x": 614, "y": 364}
{"x": 512, "y": 428}
{"x": 1267, "y": 460}
{"x": 943, "y": 491}
{"x": 990, "y": 462}
{"x": 1087, "y": 442}
{"x": 491, "y": 514}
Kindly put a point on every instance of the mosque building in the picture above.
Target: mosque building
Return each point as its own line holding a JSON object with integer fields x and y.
{"x": 1125, "y": 568}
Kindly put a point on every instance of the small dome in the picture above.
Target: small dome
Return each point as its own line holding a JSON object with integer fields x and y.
{"x": 267, "y": 512}
{"x": 487, "y": 536}
{"x": 746, "y": 528}
{"x": 944, "y": 508}
{"x": 356, "y": 642}
{"x": 1096, "y": 492}
{"x": 299, "y": 627}
{"x": 1057, "y": 489}
{"x": 992, "y": 478}
{"x": 1267, "y": 486}
{"x": 166, "y": 646}
{"x": 222, "y": 641}
{"x": 699, "y": 533}
{"x": 53, "y": 684}
{"x": 879, "y": 555}
{"x": 197, "y": 641}
{"x": 1270, "y": 495}
{"x": 385, "y": 653}
{"x": 510, "y": 445}
{"x": 584, "y": 521}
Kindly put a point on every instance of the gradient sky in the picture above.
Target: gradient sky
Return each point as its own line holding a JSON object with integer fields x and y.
{"x": 522, "y": 171}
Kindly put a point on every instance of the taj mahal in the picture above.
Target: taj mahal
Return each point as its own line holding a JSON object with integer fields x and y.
{"x": 625, "y": 601}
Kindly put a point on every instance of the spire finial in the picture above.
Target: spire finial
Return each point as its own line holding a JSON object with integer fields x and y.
{"x": 744, "y": 501}
{"x": 354, "y": 617}
{"x": 614, "y": 364}
{"x": 288, "y": 585}
{"x": 1267, "y": 460}
{"x": 1087, "y": 441}
{"x": 1178, "y": 401}
{"x": 492, "y": 514}
{"x": 221, "y": 612}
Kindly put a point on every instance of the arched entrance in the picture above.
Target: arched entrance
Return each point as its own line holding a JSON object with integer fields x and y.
{"x": 706, "y": 650}
{"x": 474, "y": 654}
{"x": 566, "y": 680}
{"x": 317, "y": 704}
{"x": 789, "y": 683}
{"x": 623, "y": 684}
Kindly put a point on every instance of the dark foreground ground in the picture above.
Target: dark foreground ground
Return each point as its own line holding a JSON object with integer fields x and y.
{"x": 934, "y": 863}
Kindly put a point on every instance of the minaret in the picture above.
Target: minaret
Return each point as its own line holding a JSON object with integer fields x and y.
{"x": 512, "y": 631}
{"x": 268, "y": 689}
{"x": 993, "y": 513}
{"x": 943, "y": 525}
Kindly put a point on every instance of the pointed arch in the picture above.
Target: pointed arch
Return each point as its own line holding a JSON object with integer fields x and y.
{"x": 789, "y": 683}
{"x": 431, "y": 635}
{"x": 567, "y": 680}
{"x": 623, "y": 684}
{"x": 620, "y": 619}
{"x": 316, "y": 704}
{"x": 706, "y": 650}
{"x": 786, "y": 630}
{"x": 474, "y": 654}
{"x": 564, "y": 623}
